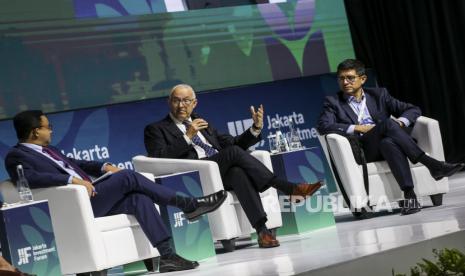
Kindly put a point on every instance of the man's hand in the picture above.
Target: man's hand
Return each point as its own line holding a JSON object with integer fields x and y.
{"x": 399, "y": 122}
{"x": 257, "y": 117}
{"x": 195, "y": 126}
{"x": 90, "y": 188}
{"x": 111, "y": 168}
{"x": 363, "y": 128}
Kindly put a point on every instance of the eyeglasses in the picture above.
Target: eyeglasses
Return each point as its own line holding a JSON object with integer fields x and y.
{"x": 350, "y": 79}
{"x": 49, "y": 127}
{"x": 184, "y": 101}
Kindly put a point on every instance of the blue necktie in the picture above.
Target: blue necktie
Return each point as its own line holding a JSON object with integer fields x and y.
{"x": 209, "y": 151}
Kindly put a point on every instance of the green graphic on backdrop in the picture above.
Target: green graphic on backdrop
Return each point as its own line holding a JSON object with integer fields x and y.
{"x": 316, "y": 212}
{"x": 62, "y": 62}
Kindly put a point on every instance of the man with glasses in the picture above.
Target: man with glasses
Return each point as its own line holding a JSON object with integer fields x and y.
{"x": 183, "y": 134}
{"x": 122, "y": 192}
{"x": 366, "y": 113}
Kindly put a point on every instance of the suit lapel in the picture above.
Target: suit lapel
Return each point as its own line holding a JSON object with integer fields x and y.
{"x": 172, "y": 127}
{"x": 40, "y": 156}
{"x": 371, "y": 105}
{"x": 347, "y": 109}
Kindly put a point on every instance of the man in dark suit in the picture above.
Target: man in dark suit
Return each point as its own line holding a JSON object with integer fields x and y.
{"x": 123, "y": 192}
{"x": 185, "y": 135}
{"x": 366, "y": 113}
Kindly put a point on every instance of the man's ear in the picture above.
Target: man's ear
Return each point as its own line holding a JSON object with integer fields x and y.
{"x": 364, "y": 78}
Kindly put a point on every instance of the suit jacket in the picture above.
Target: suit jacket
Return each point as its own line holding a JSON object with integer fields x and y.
{"x": 337, "y": 115}
{"x": 42, "y": 172}
{"x": 164, "y": 139}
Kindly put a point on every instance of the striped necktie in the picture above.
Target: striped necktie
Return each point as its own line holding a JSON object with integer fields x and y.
{"x": 67, "y": 164}
{"x": 209, "y": 151}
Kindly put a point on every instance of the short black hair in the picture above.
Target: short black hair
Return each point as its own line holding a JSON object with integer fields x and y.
{"x": 352, "y": 64}
{"x": 24, "y": 122}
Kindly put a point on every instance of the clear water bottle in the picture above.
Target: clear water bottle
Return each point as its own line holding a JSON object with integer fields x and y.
{"x": 282, "y": 142}
{"x": 24, "y": 191}
{"x": 274, "y": 144}
{"x": 294, "y": 139}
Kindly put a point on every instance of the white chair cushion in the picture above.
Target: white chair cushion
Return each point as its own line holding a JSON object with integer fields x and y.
{"x": 110, "y": 223}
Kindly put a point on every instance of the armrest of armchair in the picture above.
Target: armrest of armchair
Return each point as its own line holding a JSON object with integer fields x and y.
{"x": 269, "y": 197}
{"x": 347, "y": 168}
{"x": 209, "y": 172}
{"x": 428, "y": 135}
{"x": 264, "y": 157}
{"x": 74, "y": 225}
{"x": 9, "y": 192}
{"x": 211, "y": 182}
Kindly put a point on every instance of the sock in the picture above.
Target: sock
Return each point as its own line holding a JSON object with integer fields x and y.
{"x": 410, "y": 194}
{"x": 431, "y": 163}
{"x": 165, "y": 249}
{"x": 186, "y": 204}
{"x": 284, "y": 186}
{"x": 260, "y": 225}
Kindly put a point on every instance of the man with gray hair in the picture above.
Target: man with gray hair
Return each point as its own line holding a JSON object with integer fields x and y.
{"x": 185, "y": 135}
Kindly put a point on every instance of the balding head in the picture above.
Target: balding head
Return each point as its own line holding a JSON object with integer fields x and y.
{"x": 182, "y": 101}
{"x": 182, "y": 86}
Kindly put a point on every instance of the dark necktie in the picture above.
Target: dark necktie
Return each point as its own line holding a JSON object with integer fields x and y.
{"x": 67, "y": 164}
{"x": 209, "y": 151}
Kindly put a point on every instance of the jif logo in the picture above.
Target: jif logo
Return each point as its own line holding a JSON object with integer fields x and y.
{"x": 23, "y": 255}
{"x": 178, "y": 219}
{"x": 238, "y": 127}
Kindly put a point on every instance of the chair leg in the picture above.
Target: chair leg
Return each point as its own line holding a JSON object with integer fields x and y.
{"x": 362, "y": 213}
{"x": 436, "y": 199}
{"x": 152, "y": 264}
{"x": 229, "y": 245}
{"x": 94, "y": 273}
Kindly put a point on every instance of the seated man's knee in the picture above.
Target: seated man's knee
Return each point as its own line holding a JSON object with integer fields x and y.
{"x": 125, "y": 173}
{"x": 236, "y": 170}
{"x": 393, "y": 124}
{"x": 386, "y": 143}
{"x": 125, "y": 176}
{"x": 138, "y": 199}
{"x": 235, "y": 150}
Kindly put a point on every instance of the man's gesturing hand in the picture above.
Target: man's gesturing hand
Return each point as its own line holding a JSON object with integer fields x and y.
{"x": 257, "y": 117}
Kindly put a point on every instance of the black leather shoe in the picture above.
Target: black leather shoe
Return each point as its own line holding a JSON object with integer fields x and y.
{"x": 409, "y": 206}
{"x": 175, "y": 263}
{"x": 447, "y": 169}
{"x": 207, "y": 204}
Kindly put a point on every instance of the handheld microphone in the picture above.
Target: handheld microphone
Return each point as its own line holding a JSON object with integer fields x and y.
{"x": 196, "y": 116}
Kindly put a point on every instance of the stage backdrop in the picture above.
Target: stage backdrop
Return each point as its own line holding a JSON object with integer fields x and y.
{"x": 115, "y": 133}
{"x": 63, "y": 55}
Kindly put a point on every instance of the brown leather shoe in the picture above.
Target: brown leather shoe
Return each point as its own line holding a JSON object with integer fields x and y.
{"x": 266, "y": 240}
{"x": 305, "y": 190}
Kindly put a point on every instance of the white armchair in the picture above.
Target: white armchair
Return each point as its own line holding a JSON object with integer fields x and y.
{"x": 382, "y": 184}
{"x": 86, "y": 244}
{"x": 229, "y": 221}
